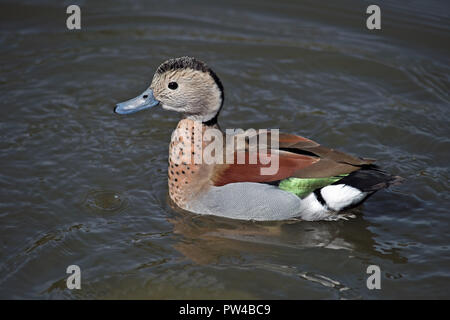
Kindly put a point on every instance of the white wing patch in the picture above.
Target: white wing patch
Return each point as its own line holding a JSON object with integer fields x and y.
{"x": 312, "y": 210}
{"x": 340, "y": 196}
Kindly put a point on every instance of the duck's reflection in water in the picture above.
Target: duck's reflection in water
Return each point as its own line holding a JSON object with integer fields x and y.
{"x": 210, "y": 239}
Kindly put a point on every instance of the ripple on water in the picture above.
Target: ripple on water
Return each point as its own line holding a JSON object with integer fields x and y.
{"x": 106, "y": 201}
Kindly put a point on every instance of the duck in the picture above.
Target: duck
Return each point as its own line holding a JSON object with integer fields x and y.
{"x": 309, "y": 181}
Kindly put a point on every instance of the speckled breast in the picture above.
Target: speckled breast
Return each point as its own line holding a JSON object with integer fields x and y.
{"x": 188, "y": 176}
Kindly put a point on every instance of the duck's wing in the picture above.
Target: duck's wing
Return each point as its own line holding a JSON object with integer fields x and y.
{"x": 331, "y": 162}
{"x": 297, "y": 157}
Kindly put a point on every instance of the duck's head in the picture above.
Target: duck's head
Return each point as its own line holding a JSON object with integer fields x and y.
{"x": 184, "y": 85}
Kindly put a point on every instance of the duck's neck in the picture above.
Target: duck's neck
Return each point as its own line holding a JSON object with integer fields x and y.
{"x": 207, "y": 120}
{"x": 187, "y": 172}
{"x": 212, "y": 121}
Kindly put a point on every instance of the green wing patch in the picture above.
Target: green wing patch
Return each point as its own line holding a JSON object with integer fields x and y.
{"x": 303, "y": 187}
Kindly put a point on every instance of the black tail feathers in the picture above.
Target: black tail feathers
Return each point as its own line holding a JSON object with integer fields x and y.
{"x": 370, "y": 179}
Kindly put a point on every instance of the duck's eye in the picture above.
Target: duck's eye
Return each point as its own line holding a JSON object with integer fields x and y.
{"x": 173, "y": 85}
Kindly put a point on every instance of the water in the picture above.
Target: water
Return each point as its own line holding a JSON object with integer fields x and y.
{"x": 81, "y": 185}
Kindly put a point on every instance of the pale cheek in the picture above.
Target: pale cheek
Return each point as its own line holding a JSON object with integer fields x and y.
{"x": 163, "y": 96}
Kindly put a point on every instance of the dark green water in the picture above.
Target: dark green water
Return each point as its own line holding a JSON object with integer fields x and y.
{"x": 81, "y": 185}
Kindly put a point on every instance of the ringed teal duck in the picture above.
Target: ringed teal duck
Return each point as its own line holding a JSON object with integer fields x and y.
{"x": 310, "y": 182}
